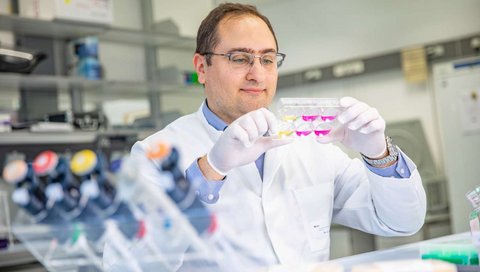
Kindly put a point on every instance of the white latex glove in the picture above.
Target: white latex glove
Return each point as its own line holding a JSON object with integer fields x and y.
{"x": 363, "y": 129}
{"x": 244, "y": 141}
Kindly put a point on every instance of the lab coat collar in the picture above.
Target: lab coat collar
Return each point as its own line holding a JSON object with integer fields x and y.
{"x": 212, "y": 118}
{"x": 211, "y": 131}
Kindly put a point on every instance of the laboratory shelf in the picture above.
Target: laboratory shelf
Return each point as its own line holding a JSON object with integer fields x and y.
{"x": 69, "y": 30}
{"x": 55, "y": 137}
{"x": 16, "y": 254}
{"x": 11, "y": 80}
{"x": 47, "y": 137}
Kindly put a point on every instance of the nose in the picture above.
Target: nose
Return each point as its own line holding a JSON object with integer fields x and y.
{"x": 256, "y": 71}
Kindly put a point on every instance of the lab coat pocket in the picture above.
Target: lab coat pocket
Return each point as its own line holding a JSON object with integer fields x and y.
{"x": 315, "y": 205}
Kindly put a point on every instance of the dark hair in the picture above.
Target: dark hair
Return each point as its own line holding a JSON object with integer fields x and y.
{"x": 207, "y": 37}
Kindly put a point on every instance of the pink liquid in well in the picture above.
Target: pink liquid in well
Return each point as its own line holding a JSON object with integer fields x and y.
{"x": 309, "y": 118}
{"x": 322, "y": 132}
{"x": 303, "y": 133}
{"x": 328, "y": 117}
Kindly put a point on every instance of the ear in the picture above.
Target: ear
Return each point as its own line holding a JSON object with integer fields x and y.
{"x": 199, "y": 63}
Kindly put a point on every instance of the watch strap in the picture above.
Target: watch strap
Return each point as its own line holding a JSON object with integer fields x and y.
{"x": 391, "y": 157}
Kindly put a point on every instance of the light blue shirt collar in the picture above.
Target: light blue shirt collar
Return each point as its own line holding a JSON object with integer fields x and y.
{"x": 213, "y": 119}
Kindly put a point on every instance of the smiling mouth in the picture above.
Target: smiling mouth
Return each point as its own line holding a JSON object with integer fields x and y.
{"x": 253, "y": 91}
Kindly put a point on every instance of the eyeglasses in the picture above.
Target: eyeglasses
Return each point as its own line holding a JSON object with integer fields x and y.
{"x": 244, "y": 60}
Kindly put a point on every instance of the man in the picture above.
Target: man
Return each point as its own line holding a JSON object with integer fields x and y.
{"x": 275, "y": 199}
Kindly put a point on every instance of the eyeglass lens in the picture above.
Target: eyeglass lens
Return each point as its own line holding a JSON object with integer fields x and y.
{"x": 244, "y": 60}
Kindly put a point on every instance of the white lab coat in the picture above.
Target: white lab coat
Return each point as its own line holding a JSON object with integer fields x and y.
{"x": 306, "y": 186}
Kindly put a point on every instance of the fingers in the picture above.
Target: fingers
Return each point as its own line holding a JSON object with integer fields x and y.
{"x": 359, "y": 116}
{"x": 250, "y": 126}
{"x": 273, "y": 141}
{"x": 253, "y": 125}
{"x": 375, "y": 125}
{"x": 337, "y": 134}
{"x": 347, "y": 101}
{"x": 352, "y": 110}
{"x": 271, "y": 121}
{"x": 240, "y": 134}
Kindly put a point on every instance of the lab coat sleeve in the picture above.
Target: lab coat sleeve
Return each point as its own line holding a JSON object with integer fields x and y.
{"x": 208, "y": 191}
{"x": 398, "y": 170}
{"x": 384, "y": 206}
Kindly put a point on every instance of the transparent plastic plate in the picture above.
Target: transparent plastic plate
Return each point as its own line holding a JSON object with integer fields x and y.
{"x": 302, "y": 117}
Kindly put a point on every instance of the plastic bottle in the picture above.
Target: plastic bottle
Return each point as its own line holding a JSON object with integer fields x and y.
{"x": 97, "y": 190}
{"x": 169, "y": 210}
{"x": 61, "y": 190}
{"x": 182, "y": 192}
{"x": 88, "y": 66}
{"x": 28, "y": 193}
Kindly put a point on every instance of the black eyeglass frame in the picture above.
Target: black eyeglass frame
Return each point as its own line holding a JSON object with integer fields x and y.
{"x": 229, "y": 55}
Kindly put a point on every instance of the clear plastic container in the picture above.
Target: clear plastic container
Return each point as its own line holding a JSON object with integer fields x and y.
{"x": 474, "y": 220}
{"x": 146, "y": 227}
{"x": 312, "y": 117}
{"x": 406, "y": 266}
{"x": 460, "y": 252}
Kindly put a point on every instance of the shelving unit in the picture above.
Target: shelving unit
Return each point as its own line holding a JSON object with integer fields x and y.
{"x": 12, "y": 80}
{"x": 62, "y": 31}
{"x": 68, "y": 30}
{"x": 75, "y": 89}
{"x": 30, "y": 138}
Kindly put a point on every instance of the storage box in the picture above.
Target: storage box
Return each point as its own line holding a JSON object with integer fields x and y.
{"x": 5, "y": 7}
{"x": 91, "y": 11}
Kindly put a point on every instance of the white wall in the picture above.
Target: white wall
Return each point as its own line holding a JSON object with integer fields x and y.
{"x": 124, "y": 61}
{"x": 127, "y": 14}
{"x": 318, "y": 32}
{"x": 186, "y": 14}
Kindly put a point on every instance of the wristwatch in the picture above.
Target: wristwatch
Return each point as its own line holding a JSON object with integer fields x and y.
{"x": 391, "y": 157}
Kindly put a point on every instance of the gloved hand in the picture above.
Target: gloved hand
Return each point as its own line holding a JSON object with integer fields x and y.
{"x": 244, "y": 141}
{"x": 363, "y": 129}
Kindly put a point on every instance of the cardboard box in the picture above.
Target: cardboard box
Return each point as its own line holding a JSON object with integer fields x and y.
{"x": 5, "y": 7}
{"x": 90, "y": 11}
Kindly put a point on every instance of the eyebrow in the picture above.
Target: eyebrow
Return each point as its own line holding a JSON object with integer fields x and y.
{"x": 248, "y": 50}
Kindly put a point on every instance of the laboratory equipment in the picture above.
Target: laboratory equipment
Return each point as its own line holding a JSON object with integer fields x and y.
{"x": 99, "y": 193}
{"x": 179, "y": 229}
{"x": 306, "y": 267}
{"x": 285, "y": 128}
{"x": 161, "y": 240}
{"x": 474, "y": 197}
{"x": 406, "y": 266}
{"x": 180, "y": 190}
{"x": 28, "y": 193}
{"x": 86, "y": 52}
{"x": 61, "y": 190}
{"x": 136, "y": 224}
{"x": 6, "y": 235}
{"x": 459, "y": 252}
{"x": 307, "y": 116}
{"x": 303, "y": 128}
{"x": 19, "y": 60}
